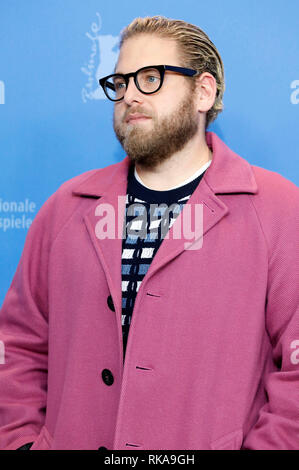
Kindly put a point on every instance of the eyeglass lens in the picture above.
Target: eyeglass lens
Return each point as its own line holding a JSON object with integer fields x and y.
{"x": 148, "y": 81}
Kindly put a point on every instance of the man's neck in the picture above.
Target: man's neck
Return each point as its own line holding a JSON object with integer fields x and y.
{"x": 177, "y": 168}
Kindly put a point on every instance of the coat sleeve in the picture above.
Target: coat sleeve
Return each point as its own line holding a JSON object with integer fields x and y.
{"x": 277, "y": 427}
{"x": 24, "y": 340}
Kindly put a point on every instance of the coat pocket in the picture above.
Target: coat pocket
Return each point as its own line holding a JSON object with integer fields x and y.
{"x": 231, "y": 441}
{"x": 43, "y": 440}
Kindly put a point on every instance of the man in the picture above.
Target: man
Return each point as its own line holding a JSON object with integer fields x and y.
{"x": 150, "y": 340}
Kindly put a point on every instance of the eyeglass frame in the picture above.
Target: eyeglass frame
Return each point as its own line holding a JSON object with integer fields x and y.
{"x": 161, "y": 68}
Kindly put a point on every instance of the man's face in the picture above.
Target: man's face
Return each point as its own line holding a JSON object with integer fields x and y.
{"x": 171, "y": 118}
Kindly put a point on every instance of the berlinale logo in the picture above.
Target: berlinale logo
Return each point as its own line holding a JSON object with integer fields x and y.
{"x": 2, "y": 92}
{"x": 101, "y": 62}
{"x": 295, "y": 94}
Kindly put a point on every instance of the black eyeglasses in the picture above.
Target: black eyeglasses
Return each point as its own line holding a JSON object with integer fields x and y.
{"x": 148, "y": 80}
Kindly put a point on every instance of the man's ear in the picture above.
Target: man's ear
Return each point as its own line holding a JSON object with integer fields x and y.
{"x": 206, "y": 89}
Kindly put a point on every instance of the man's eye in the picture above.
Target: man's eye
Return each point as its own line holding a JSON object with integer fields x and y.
{"x": 119, "y": 85}
{"x": 151, "y": 78}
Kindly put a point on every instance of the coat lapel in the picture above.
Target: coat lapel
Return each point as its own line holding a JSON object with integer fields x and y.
{"x": 108, "y": 187}
{"x": 227, "y": 174}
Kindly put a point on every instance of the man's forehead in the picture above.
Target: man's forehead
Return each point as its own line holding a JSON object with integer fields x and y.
{"x": 144, "y": 50}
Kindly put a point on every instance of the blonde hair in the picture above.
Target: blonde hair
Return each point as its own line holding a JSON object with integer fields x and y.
{"x": 196, "y": 50}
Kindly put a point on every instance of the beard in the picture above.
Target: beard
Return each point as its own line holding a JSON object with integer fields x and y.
{"x": 167, "y": 136}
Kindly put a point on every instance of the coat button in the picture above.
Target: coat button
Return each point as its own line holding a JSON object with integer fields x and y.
{"x": 110, "y": 303}
{"x": 107, "y": 377}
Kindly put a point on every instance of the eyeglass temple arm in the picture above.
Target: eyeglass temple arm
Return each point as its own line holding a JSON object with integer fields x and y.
{"x": 183, "y": 70}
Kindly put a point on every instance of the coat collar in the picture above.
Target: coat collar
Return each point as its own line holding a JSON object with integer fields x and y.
{"x": 228, "y": 173}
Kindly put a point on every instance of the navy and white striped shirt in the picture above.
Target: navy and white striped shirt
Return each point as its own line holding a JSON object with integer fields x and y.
{"x": 150, "y": 227}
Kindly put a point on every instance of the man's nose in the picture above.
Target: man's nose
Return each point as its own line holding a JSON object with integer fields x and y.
{"x": 132, "y": 94}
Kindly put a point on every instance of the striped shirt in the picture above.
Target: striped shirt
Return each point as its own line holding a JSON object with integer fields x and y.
{"x": 149, "y": 215}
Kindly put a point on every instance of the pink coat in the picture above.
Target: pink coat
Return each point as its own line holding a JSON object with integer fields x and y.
{"x": 212, "y": 360}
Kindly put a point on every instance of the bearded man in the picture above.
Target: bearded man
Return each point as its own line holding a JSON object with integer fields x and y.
{"x": 150, "y": 340}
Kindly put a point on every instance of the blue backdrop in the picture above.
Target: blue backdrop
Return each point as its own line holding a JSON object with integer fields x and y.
{"x": 55, "y": 122}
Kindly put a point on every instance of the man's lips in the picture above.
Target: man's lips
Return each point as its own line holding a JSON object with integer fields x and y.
{"x": 136, "y": 117}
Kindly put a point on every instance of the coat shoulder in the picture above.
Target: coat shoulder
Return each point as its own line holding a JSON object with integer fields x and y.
{"x": 277, "y": 207}
{"x": 65, "y": 189}
{"x": 274, "y": 189}
{"x": 72, "y": 182}
{"x": 61, "y": 204}
{"x": 68, "y": 185}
